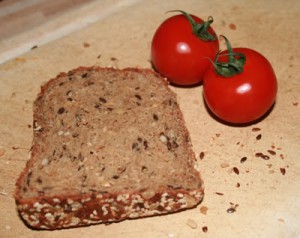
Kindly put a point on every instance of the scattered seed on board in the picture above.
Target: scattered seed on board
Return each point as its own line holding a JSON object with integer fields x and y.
{"x": 243, "y": 159}
{"x": 233, "y": 208}
{"x": 272, "y": 152}
{"x": 236, "y": 170}
{"x": 261, "y": 155}
{"x": 282, "y": 170}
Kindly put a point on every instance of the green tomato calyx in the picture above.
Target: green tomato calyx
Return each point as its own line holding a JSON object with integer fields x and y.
{"x": 200, "y": 29}
{"x": 234, "y": 65}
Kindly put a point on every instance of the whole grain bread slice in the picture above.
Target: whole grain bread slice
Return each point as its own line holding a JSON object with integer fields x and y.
{"x": 108, "y": 145}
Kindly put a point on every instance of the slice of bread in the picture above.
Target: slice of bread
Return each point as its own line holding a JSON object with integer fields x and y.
{"x": 108, "y": 145}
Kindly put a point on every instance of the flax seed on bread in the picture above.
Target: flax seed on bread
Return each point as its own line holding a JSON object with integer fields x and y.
{"x": 108, "y": 145}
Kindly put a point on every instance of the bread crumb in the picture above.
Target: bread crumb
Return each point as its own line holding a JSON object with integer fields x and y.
{"x": 3, "y": 193}
{"x": 224, "y": 165}
{"x": 204, "y": 210}
{"x": 86, "y": 44}
{"x": 7, "y": 227}
{"x": 232, "y": 26}
{"x": 2, "y": 152}
{"x": 255, "y": 129}
{"x": 171, "y": 235}
{"x": 192, "y": 224}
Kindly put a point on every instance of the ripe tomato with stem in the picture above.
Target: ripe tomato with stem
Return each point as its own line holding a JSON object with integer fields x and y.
{"x": 240, "y": 86}
{"x": 182, "y": 46}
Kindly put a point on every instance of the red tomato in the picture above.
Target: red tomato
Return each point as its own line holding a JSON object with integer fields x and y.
{"x": 244, "y": 97}
{"x": 179, "y": 54}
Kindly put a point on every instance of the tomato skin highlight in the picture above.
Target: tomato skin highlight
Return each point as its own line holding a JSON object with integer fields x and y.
{"x": 245, "y": 97}
{"x": 178, "y": 54}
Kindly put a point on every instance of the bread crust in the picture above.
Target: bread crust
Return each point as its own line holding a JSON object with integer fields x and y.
{"x": 73, "y": 210}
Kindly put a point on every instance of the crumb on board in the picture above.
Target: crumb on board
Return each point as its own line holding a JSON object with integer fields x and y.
{"x": 232, "y": 208}
{"x": 255, "y": 129}
{"x": 171, "y": 235}
{"x": 191, "y": 223}
{"x": 271, "y": 171}
{"x": 3, "y": 192}
{"x": 7, "y": 227}
{"x": 232, "y": 26}
{"x": 224, "y": 165}
{"x": 2, "y": 152}
{"x": 86, "y": 44}
{"x": 203, "y": 210}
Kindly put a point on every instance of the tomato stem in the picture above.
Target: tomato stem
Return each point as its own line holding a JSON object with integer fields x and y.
{"x": 200, "y": 29}
{"x": 234, "y": 65}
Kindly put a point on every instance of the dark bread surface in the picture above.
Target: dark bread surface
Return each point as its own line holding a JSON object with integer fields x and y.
{"x": 108, "y": 145}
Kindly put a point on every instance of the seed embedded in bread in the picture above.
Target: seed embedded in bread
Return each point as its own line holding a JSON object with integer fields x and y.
{"x": 108, "y": 145}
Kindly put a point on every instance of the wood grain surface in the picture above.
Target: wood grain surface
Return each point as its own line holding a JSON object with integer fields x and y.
{"x": 28, "y": 23}
{"x": 263, "y": 198}
{"x": 17, "y": 16}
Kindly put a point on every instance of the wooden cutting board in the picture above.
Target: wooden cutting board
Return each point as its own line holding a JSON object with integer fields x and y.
{"x": 265, "y": 194}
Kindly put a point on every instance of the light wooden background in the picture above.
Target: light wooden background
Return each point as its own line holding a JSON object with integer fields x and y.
{"x": 17, "y": 16}
{"x": 25, "y": 24}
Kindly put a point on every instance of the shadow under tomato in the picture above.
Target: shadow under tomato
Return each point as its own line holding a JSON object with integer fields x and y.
{"x": 238, "y": 124}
